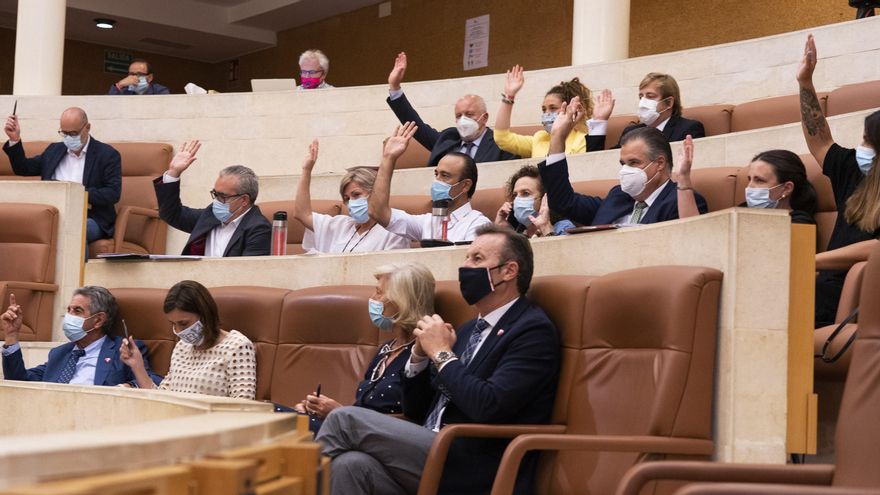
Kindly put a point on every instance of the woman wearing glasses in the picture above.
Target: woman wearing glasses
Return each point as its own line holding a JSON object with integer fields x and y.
{"x": 404, "y": 294}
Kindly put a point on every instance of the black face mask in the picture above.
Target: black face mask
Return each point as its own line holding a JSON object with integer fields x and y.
{"x": 476, "y": 283}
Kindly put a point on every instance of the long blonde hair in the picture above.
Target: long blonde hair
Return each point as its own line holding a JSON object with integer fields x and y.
{"x": 409, "y": 285}
{"x": 863, "y": 206}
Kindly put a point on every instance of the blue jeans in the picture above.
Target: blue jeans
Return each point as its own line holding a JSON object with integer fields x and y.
{"x": 93, "y": 233}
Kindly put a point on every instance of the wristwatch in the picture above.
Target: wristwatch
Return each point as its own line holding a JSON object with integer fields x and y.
{"x": 443, "y": 356}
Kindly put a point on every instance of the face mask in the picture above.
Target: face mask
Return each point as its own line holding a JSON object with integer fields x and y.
{"x": 358, "y": 210}
{"x": 381, "y": 321}
{"x": 760, "y": 197}
{"x": 648, "y": 113}
{"x": 73, "y": 143}
{"x": 73, "y": 327}
{"x": 440, "y": 191}
{"x": 192, "y": 334}
{"x": 634, "y": 180}
{"x": 467, "y": 127}
{"x": 141, "y": 86}
{"x": 523, "y": 206}
{"x": 476, "y": 283}
{"x": 865, "y": 158}
{"x": 310, "y": 82}
{"x": 547, "y": 119}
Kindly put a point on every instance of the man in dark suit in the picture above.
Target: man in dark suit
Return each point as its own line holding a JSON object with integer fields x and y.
{"x": 90, "y": 358}
{"x": 231, "y": 226}
{"x": 646, "y": 193}
{"x": 139, "y": 81}
{"x": 470, "y": 134}
{"x": 79, "y": 158}
{"x": 501, "y": 368}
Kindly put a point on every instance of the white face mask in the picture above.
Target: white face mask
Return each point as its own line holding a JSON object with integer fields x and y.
{"x": 865, "y": 158}
{"x": 634, "y": 180}
{"x": 467, "y": 127}
{"x": 648, "y": 113}
{"x": 192, "y": 334}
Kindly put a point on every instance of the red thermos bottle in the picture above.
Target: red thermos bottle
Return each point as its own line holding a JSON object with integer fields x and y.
{"x": 279, "y": 233}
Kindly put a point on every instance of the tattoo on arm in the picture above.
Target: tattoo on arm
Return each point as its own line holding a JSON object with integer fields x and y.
{"x": 811, "y": 113}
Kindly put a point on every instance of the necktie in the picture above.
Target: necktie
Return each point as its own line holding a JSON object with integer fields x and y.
{"x": 638, "y": 211}
{"x": 465, "y": 358}
{"x": 468, "y": 146}
{"x": 70, "y": 366}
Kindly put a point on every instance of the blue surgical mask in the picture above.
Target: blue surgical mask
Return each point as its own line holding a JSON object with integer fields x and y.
{"x": 141, "y": 86}
{"x": 547, "y": 119}
{"x": 865, "y": 158}
{"x": 759, "y": 197}
{"x": 192, "y": 334}
{"x": 523, "y": 206}
{"x": 440, "y": 191}
{"x": 73, "y": 143}
{"x": 73, "y": 327}
{"x": 358, "y": 210}
{"x": 221, "y": 211}
{"x": 381, "y": 321}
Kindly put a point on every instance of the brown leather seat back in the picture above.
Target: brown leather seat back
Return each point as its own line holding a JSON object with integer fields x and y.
{"x": 769, "y": 112}
{"x": 143, "y": 314}
{"x": 858, "y": 432}
{"x": 255, "y": 312}
{"x": 488, "y": 201}
{"x": 296, "y": 230}
{"x": 715, "y": 118}
{"x": 415, "y": 156}
{"x": 651, "y": 333}
{"x": 598, "y": 188}
{"x": 854, "y": 97}
{"x": 717, "y": 185}
{"x": 449, "y": 304}
{"x": 326, "y": 338}
{"x": 616, "y": 125}
{"x": 31, "y": 148}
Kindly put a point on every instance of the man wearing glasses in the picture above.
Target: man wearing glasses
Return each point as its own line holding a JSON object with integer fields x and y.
{"x": 313, "y": 67}
{"x": 78, "y": 158}
{"x": 231, "y": 225}
{"x": 139, "y": 81}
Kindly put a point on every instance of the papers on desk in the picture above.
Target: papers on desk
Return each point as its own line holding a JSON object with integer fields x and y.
{"x": 143, "y": 257}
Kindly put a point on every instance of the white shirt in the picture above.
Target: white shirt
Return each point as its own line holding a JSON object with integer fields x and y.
{"x": 627, "y": 219}
{"x": 463, "y": 224}
{"x": 600, "y": 127}
{"x": 72, "y": 167}
{"x": 85, "y": 367}
{"x": 338, "y": 234}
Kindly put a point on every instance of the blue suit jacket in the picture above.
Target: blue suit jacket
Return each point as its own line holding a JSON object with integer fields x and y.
{"x": 512, "y": 379}
{"x": 593, "y": 210}
{"x": 676, "y": 129}
{"x": 107, "y": 373}
{"x": 442, "y": 142}
{"x": 152, "y": 89}
{"x": 102, "y": 175}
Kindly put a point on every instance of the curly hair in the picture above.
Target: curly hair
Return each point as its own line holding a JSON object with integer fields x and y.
{"x": 569, "y": 89}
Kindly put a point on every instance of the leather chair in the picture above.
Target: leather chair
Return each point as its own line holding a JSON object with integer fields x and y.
{"x": 769, "y": 112}
{"x": 28, "y": 244}
{"x": 853, "y": 97}
{"x": 449, "y": 303}
{"x": 616, "y": 125}
{"x": 295, "y": 229}
{"x": 31, "y": 148}
{"x": 715, "y": 118}
{"x": 142, "y": 310}
{"x": 857, "y": 437}
{"x": 415, "y": 156}
{"x": 488, "y": 201}
{"x": 597, "y": 188}
{"x": 717, "y": 185}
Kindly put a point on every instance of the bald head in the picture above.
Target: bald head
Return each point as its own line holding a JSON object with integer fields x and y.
{"x": 74, "y": 115}
{"x": 75, "y": 123}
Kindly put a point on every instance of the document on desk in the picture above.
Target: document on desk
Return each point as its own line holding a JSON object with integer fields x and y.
{"x": 146, "y": 257}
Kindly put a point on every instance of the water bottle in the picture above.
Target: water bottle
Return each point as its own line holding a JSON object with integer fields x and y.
{"x": 440, "y": 219}
{"x": 279, "y": 233}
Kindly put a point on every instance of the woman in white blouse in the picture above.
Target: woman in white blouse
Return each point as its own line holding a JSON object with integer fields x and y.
{"x": 207, "y": 359}
{"x": 355, "y": 232}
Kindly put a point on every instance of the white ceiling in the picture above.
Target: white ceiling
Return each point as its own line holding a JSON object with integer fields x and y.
{"x": 204, "y": 30}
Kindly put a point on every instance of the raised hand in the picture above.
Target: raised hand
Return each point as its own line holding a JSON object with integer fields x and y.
{"x": 604, "y": 105}
{"x": 808, "y": 62}
{"x": 515, "y": 81}
{"x": 682, "y": 174}
{"x": 10, "y": 321}
{"x": 184, "y": 158}
{"x": 397, "y": 143}
{"x": 397, "y": 73}
{"x": 503, "y": 213}
{"x": 569, "y": 115}
{"x": 311, "y": 157}
{"x": 542, "y": 221}
{"x": 13, "y": 130}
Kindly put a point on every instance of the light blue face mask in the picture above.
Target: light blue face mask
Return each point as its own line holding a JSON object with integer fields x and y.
{"x": 440, "y": 191}
{"x": 381, "y": 321}
{"x": 73, "y": 327}
{"x": 865, "y": 158}
{"x": 547, "y": 120}
{"x": 141, "y": 86}
{"x": 523, "y": 206}
{"x": 358, "y": 210}
{"x": 73, "y": 143}
{"x": 757, "y": 197}
{"x": 221, "y": 211}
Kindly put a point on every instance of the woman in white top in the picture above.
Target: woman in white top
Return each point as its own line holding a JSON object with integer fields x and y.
{"x": 355, "y": 232}
{"x": 207, "y": 359}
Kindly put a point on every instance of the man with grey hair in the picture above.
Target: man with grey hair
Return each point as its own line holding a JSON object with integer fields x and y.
{"x": 92, "y": 355}
{"x": 470, "y": 134}
{"x": 313, "y": 68}
{"x": 231, "y": 226}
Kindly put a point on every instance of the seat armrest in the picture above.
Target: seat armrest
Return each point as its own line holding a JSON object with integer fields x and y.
{"x": 641, "y": 474}
{"x": 767, "y": 489}
{"x": 440, "y": 448}
{"x": 506, "y": 477}
{"x": 122, "y": 225}
{"x": 37, "y": 286}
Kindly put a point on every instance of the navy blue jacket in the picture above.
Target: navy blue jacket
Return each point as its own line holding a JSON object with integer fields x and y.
{"x": 109, "y": 370}
{"x": 511, "y": 379}
{"x": 102, "y": 175}
{"x": 439, "y": 143}
{"x": 593, "y": 210}
{"x": 676, "y": 129}
{"x": 152, "y": 89}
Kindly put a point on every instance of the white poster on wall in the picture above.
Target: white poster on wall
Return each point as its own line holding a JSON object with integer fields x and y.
{"x": 476, "y": 42}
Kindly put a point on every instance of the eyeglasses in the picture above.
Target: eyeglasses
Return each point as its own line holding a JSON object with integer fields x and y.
{"x": 223, "y": 198}
{"x": 62, "y": 132}
{"x": 139, "y": 74}
{"x": 306, "y": 72}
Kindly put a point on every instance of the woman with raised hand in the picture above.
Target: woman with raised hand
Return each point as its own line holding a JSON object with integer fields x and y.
{"x": 355, "y": 232}
{"x": 206, "y": 359}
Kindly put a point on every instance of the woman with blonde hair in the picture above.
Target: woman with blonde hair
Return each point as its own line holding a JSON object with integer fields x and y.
{"x": 404, "y": 294}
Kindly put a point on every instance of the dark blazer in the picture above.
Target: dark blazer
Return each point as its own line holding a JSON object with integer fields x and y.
{"x": 253, "y": 236}
{"x": 593, "y": 210}
{"x": 152, "y": 89}
{"x": 102, "y": 175}
{"x": 109, "y": 373}
{"x": 512, "y": 379}
{"x": 442, "y": 142}
{"x": 676, "y": 129}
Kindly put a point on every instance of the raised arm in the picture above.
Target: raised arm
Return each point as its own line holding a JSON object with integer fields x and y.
{"x": 816, "y": 130}
{"x": 394, "y": 147}
{"x": 687, "y": 203}
{"x": 514, "y": 83}
{"x": 302, "y": 210}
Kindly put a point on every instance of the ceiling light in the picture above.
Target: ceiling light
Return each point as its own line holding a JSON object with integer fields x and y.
{"x": 105, "y": 23}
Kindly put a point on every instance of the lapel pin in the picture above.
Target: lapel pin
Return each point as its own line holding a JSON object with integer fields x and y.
{"x": 106, "y": 360}
{"x": 500, "y": 332}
